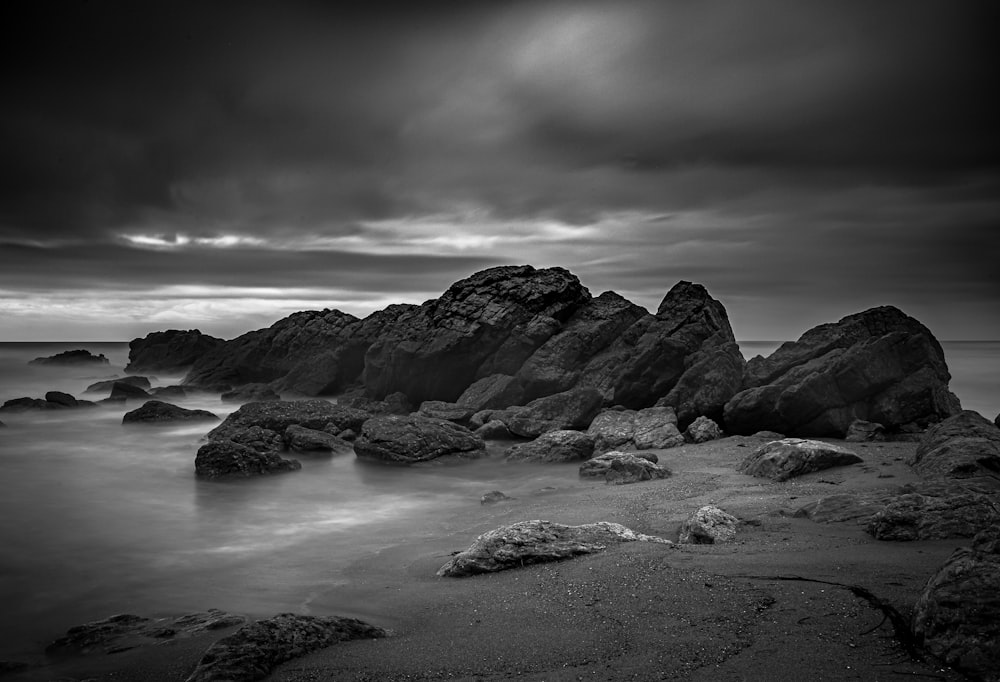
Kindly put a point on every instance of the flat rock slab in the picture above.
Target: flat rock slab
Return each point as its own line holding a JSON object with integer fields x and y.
{"x": 623, "y": 467}
{"x": 255, "y": 649}
{"x": 783, "y": 459}
{"x": 159, "y": 412}
{"x": 532, "y": 542}
{"x": 411, "y": 440}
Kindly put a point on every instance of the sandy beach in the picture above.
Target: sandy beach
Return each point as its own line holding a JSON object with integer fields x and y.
{"x": 774, "y": 605}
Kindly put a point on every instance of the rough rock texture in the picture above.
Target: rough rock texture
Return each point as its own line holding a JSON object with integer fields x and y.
{"x": 623, "y": 467}
{"x": 54, "y": 400}
{"x": 783, "y": 459}
{"x": 278, "y": 416}
{"x": 554, "y": 446}
{"x": 651, "y": 427}
{"x": 493, "y": 430}
{"x": 493, "y": 497}
{"x": 453, "y": 412}
{"x": 879, "y": 365}
{"x": 409, "y": 440}
{"x": 124, "y": 391}
{"x": 394, "y": 403}
{"x": 489, "y": 323}
{"x": 250, "y": 393}
{"x": 169, "y": 351}
{"x": 532, "y": 542}
{"x": 71, "y": 357}
{"x": 861, "y": 431}
{"x": 933, "y": 512}
{"x": 494, "y": 392}
{"x": 965, "y": 446}
{"x": 702, "y": 430}
{"x": 708, "y": 526}
{"x": 159, "y": 412}
{"x": 957, "y": 616}
{"x": 573, "y": 409}
{"x": 227, "y": 459}
{"x": 132, "y": 630}
{"x": 255, "y": 649}
{"x": 313, "y": 440}
{"x": 258, "y": 438}
{"x": 845, "y": 507}
{"x": 106, "y": 386}
{"x": 169, "y": 392}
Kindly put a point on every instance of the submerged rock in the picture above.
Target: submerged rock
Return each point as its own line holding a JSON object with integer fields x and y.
{"x": 623, "y": 467}
{"x": 532, "y": 542}
{"x": 783, "y": 459}
{"x": 493, "y": 430}
{"x": 226, "y": 459}
{"x": 708, "y": 525}
{"x": 255, "y": 649}
{"x": 157, "y": 411}
{"x": 410, "y": 440}
{"x": 72, "y": 357}
{"x": 966, "y": 446}
{"x": 554, "y": 446}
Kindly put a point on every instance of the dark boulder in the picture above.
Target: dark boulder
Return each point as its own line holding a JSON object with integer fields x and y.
{"x": 159, "y": 412}
{"x": 279, "y": 415}
{"x": 934, "y": 511}
{"x": 411, "y": 440}
{"x": 255, "y": 649}
{"x": 107, "y": 385}
{"x": 72, "y": 357}
{"x": 313, "y": 440}
{"x": 574, "y": 410}
{"x": 702, "y": 430}
{"x": 170, "y": 351}
{"x": 54, "y": 400}
{"x": 957, "y": 616}
{"x": 227, "y": 459}
{"x": 965, "y": 446}
{"x": 783, "y": 459}
{"x": 553, "y": 446}
{"x": 249, "y": 393}
{"x": 623, "y": 467}
{"x": 60, "y": 398}
{"x": 124, "y": 391}
{"x": 879, "y": 365}
{"x": 709, "y": 525}
{"x": 493, "y": 430}
{"x": 532, "y": 542}
{"x": 488, "y": 323}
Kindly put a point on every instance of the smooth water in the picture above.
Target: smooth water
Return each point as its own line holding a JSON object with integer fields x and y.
{"x": 99, "y": 518}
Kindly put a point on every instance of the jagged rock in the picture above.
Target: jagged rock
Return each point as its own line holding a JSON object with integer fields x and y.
{"x": 453, "y": 412}
{"x": 279, "y": 415}
{"x": 572, "y": 410}
{"x": 157, "y": 411}
{"x": 957, "y": 616}
{"x": 494, "y": 392}
{"x": 965, "y": 446}
{"x": 250, "y": 393}
{"x": 623, "y": 467}
{"x": 709, "y": 525}
{"x": 107, "y": 385}
{"x": 554, "y": 446}
{"x": 169, "y": 351}
{"x": 124, "y": 391}
{"x": 933, "y": 512}
{"x": 310, "y": 440}
{"x": 702, "y": 430}
{"x": 783, "y": 459}
{"x": 493, "y": 430}
{"x": 255, "y": 649}
{"x": 258, "y": 438}
{"x": 621, "y": 429}
{"x": 861, "y": 431}
{"x": 488, "y": 323}
{"x": 410, "y": 440}
{"x": 532, "y": 542}
{"x": 493, "y": 497}
{"x": 71, "y": 357}
{"x": 225, "y": 458}
{"x": 879, "y": 365}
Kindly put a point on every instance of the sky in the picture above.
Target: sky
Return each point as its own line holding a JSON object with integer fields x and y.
{"x": 221, "y": 165}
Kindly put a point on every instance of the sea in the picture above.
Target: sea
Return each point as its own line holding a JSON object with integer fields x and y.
{"x": 99, "y": 518}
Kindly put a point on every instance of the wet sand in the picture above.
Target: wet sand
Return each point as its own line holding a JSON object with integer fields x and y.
{"x": 637, "y": 611}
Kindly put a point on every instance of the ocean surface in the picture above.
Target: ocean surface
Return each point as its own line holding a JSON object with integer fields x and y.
{"x": 98, "y": 518}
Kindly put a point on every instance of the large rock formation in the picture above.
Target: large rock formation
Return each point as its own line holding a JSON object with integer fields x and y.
{"x": 409, "y": 440}
{"x": 783, "y": 459}
{"x": 169, "y": 351}
{"x": 879, "y": 365}
{"x": 532, "y": 542}
{"x": 965, "y": 446}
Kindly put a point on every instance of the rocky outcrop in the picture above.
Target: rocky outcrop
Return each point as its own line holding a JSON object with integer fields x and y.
{"x": 783, "y": 459}
{"x": 171, "y": 351}
{"x": 554, "y": 446}
{"x": 965, "y": 446}
{"x": 934, "y": 511}
{"x": 569, "y": 410}
{"x": 410, "y": 440}
{"x": 278, "y": 416}
{"x": 879, "y": 365}
{"x": 532, "y": 542}
{"x": 53, "y": 400}
{"x": 709, "y": 525}
{"x": 303, "y": 439}
{"x": 71, "y": 357}
{"x": 620, "y": 468}
{"x": 107, "y": 385}
{"x": 702, "y": 430}
{"x": 159, "y": 412}
{"x": 489, "y": 323}
{"x": 228, "y": 459}
{"x": 651, "y": 427}
{"x": 957, "y": 616}
{"x": 255, "y": 649}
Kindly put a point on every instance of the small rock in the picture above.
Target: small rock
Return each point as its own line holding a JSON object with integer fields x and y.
{"x": 702, "y": 430}
{"x": 861, "y": 431}
{"x": 708, "y": 526}
{"x": 554, "y": 446}
{"x": 622, "y": 467}
{"x": 159, "y": 412}
{"x": 493, "y": 497}
{"x": 783, "y": 459}
{"x": 494, "y": 429}
{"x": 60, "y": 398}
